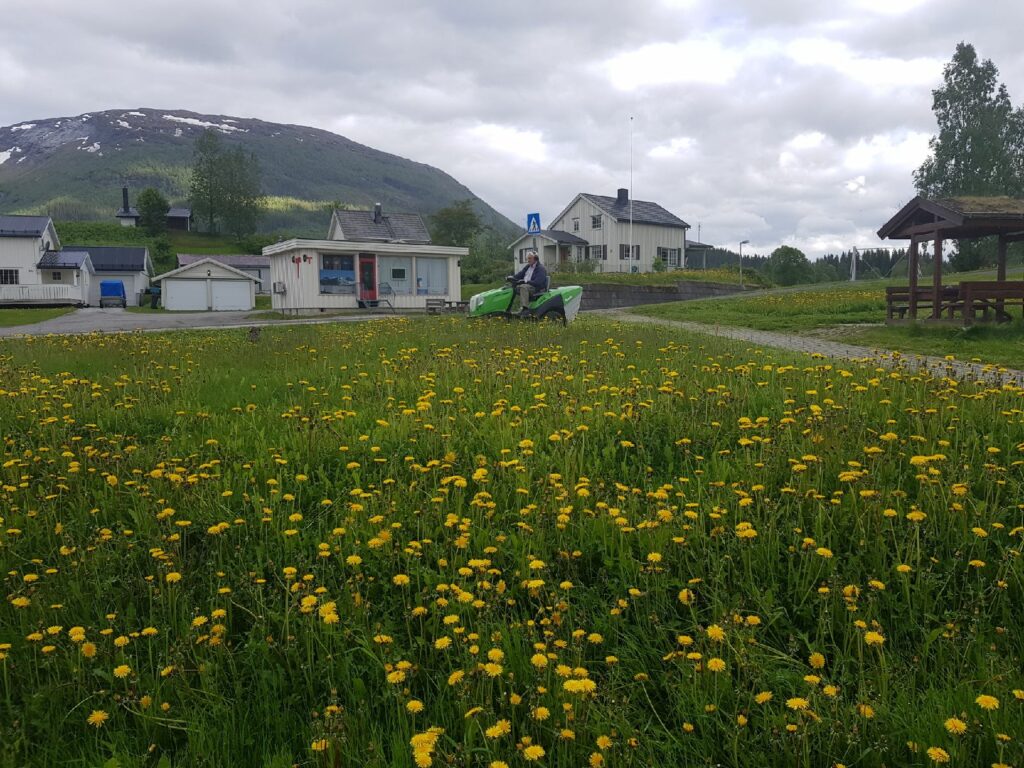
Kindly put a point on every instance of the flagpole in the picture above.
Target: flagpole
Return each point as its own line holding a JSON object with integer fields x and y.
{"x": 629, "y": 250}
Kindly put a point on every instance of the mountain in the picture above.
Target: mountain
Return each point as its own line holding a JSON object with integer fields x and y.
{"x": 74, "y": 168}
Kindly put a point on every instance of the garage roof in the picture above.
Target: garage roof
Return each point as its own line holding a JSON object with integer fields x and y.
{"x": 203, "y": 264}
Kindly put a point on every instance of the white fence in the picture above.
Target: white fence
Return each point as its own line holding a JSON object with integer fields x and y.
{"x": 40, "y": 294}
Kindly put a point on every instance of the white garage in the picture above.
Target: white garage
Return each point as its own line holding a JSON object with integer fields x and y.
{"x": 207, "y": 285}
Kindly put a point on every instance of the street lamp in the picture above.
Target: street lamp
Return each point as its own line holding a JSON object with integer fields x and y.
{"x": 742, "y": 243}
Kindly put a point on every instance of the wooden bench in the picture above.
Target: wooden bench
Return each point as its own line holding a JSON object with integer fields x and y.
{"x": 993, "y": 296}
{"x": 435, "y": 306}
{"x": 897, "y": 301}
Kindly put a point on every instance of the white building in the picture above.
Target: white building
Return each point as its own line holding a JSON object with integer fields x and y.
{"x": 34, "y": 270}
{"x": 252, "y": 264}
{"x": 597, "y": 228}
{"x": 129, "y": 264}
{"x": 206, "y": 285}
{"x": 368, "y": 257}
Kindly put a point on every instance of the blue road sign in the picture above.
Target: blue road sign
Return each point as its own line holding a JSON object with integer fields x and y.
{"x": 533, "y": 223}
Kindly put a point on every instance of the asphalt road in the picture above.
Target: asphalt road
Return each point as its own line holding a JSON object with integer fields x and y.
{"x": 115, "y": 320}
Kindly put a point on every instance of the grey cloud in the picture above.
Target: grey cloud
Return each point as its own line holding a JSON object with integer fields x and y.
{"x": 473, "y": 87}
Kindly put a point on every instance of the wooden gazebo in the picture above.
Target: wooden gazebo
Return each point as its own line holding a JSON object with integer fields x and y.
{"x": 956, "y": 218}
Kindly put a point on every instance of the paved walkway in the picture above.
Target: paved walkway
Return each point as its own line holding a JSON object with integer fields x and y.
{"x": 111, "y": 320}
{"x": 956, "y": 369}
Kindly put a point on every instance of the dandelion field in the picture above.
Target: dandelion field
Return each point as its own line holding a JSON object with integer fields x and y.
{"x": 438, "y": 543}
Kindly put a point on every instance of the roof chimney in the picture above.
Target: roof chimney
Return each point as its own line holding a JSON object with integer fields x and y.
{"x": 377, "y": 213}
{"x": 124, "y": 199}
{"x": 623, "y": 197}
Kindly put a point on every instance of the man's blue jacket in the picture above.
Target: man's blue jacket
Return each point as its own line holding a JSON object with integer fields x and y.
{"x": 539, "y": 279}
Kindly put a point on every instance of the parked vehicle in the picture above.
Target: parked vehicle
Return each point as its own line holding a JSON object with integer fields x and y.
{"x": 112, "y": 294}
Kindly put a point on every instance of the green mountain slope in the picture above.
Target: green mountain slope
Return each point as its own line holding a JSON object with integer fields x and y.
{"x": 74, "y": 168}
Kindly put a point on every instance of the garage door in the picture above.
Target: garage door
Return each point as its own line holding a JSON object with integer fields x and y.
{"x": 185, "y": 294}
{"x": 231, "y": 294}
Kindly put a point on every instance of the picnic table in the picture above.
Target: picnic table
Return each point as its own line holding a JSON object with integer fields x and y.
{"x": 988, "y": 298}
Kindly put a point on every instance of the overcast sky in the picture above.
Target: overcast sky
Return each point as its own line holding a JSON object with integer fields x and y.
{"x": 789, "y": 121}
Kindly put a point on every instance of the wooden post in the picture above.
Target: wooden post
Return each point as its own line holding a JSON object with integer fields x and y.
{"x": 1001, "y": 277}
{"x": 912, "y": 279}
{"x": 1001, "y": 263}
{"x": 937, "y": 280}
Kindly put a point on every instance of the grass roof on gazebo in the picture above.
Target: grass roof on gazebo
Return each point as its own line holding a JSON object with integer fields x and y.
{"x": 972, "y": 205}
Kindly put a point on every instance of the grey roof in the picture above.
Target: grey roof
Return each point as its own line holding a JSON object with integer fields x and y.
{"x": 562, "y": 237}
{"x": 172, "y": 213}
{"x": 236, "y": 260}
{"x": 695, "y": 246}
{"x": 392, "y": 227}
{"x": 63, "y": 259}
{"x": 22, "y": 226}
{"x": 644, "y": 212}
{"x": 113, "y": 258}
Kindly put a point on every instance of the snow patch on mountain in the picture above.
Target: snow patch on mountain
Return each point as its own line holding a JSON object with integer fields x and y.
{"x": 23, "y": 127}
{"x": 122, "y": 123}
{"x": 222, "y": 127}
{"x": 6, "y": 155}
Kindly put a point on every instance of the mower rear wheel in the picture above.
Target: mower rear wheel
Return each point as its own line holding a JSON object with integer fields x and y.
{"x": 555, "y": 315}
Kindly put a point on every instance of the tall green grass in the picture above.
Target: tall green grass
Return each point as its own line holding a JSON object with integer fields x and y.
{"x": 285, "y": 551}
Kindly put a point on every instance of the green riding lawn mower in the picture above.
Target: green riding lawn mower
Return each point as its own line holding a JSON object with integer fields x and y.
{"x": 551, "y": 304}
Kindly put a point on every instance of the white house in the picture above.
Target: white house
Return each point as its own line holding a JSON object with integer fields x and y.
{"x": 34, "y": 270}
{"x": 597, "y": 228}
{"x": 206, "y": 285}
{"x": 129, "y": 264}
{"x": 368, "y": 257}
{"x": 252, "y": 264}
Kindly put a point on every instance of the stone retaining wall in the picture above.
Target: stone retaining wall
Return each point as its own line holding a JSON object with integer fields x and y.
{"x": 613, "y": 296}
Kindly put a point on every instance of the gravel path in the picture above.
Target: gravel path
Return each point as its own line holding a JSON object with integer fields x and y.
{"x": 956, "y": 369}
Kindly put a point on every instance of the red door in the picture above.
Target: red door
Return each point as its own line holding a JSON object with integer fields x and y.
{"x": 367, "y": 277}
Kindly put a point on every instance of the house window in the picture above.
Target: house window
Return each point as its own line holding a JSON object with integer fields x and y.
{"x": 522, "y": 255}
{"x": 576, "y": 224}
{"x": 55, "y": 276}
{"x": 598, "y": 252}
{"x": 595, "y": 221}
{"x": 431, "y": 276}
{"x": 396, "y": 271}
{"x": 580, "y": 253}
{"x": 671, "y": 256}
{"x": 8, "y": 277}
{"x": 624, "y": 252}
{"x": 337, "y": 274}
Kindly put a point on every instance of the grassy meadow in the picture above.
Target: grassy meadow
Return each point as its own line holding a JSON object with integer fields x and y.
{"x": 12, "y": 316}
{"x": 434, "y": 543}
{"x": 786, "y": 310}
{"x": 851, "y": 312}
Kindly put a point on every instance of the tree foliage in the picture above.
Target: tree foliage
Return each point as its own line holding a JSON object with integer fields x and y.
{"x": 243, "y": 197}
{"x": 978, "y": 149}
{"x": 457, "y": 224}
{"x": 153, "y": 208}
{"x": 226, "y": 187}
{"x": 788, "y": 266}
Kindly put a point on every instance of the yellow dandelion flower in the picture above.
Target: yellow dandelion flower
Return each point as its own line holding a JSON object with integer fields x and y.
{"x": 955, "y": 726}
{"x": 986, "y": 702}
{"x": 533, "y": 752}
